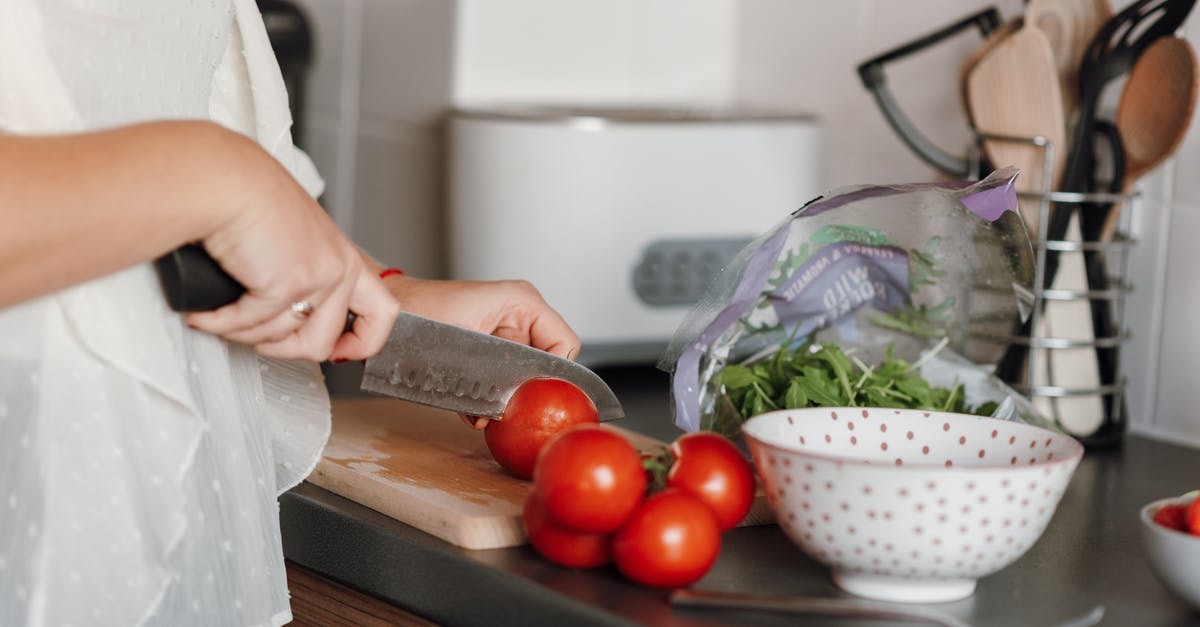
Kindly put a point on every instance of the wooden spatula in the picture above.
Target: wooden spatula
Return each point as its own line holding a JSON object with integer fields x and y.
{"x": 997, "y": 36}
{"x": 1014, "y": 91}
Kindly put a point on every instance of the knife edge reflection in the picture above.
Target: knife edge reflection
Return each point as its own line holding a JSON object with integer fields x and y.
{"x": 449, "y": 367}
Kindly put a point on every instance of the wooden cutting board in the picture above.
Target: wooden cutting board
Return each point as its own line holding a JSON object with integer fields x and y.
{"x": 423, "y": 467}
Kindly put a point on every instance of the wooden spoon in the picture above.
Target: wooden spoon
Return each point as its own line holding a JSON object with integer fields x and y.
{"x": 1069, "y": 25}
{"x": 1014, "y": 91}
{"x": 1000, "y": 34}
{"x": 1155, "y": 111}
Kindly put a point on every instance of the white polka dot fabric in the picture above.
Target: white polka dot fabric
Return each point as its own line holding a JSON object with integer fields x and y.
{"x": 139, "y": 460}
{"x": 910, "y": 497}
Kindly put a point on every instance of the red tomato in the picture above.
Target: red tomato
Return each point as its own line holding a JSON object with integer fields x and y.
{"x": 537, "y": 411}
{"x": 1192, "y": 518}
{"x": 1172, "y": 517}
{"x": 575, "y": 549}
{"x": 590, "y": 478}
{"x": 710, "y": 467}
{"x": 670, "y": 541}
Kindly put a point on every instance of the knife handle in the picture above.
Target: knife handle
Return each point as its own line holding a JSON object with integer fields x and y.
{"x": 193, "y": 281}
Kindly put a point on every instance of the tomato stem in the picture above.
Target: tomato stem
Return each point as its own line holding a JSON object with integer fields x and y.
{"x": 657, "y": 464}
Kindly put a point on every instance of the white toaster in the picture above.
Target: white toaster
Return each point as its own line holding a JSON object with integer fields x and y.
{"x": 620, "y": 216}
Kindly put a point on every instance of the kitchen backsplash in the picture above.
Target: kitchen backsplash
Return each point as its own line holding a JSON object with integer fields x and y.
{"x": 387, "y": 70}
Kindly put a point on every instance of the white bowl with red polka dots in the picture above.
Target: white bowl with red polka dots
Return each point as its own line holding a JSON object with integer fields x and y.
{"x": 909, "y": 505}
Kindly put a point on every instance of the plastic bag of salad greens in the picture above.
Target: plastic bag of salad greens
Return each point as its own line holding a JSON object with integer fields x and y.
{"x": 875, "y": 296}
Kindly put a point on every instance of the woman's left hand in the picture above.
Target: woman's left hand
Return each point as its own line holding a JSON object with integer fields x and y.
{"x": 513, "y": 310}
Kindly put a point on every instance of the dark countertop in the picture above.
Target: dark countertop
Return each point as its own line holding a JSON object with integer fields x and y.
{"x": 1089, "y": 555}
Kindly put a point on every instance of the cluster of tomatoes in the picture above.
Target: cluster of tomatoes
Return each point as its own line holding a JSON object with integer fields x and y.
{"x": 596, "y": 499}
{"x": 1183, "y": 517}
{"x": 657, "y": 518}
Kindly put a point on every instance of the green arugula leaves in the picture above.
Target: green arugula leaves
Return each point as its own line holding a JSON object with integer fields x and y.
{"x": 822, "y": 375}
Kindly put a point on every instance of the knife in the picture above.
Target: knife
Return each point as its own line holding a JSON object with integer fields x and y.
{"x": 438, "y": 364}
{"x": 423, "y": 360}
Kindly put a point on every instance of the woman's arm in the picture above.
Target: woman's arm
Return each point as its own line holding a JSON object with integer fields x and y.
{"x": 80, "y": 206}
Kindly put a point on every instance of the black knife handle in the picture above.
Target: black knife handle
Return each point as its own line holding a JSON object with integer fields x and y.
{"x": 193, "y": 281}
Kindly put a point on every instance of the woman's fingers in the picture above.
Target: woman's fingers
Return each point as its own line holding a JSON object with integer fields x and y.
{"x": 320, "y": 335}
{"x": 375, "y": 311}
{"x": 512, "y": 309}
{"x": 255, "y": 319}
{"x": 248, "y": 312}
{"x": 284, "y": 330}
{"x": 286, "y": 322}
{"x": 551, "y": 333}
{"x": 314, "y": 340}
{"x": 271, "y": 314}
{"x": 478, "y": 423}
{"x": 537, "y": 324}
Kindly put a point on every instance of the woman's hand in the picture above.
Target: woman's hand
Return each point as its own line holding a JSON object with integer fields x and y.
{"x": 139, "y": 191}
{"x": 284, "y": 248}
{"x": 513, "y": 310}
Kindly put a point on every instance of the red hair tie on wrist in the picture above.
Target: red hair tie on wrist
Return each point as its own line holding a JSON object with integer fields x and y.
{"x": 389, "y": 272}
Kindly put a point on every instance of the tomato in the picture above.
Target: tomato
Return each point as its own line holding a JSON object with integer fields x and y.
{"x": 590, "y": 478}
{"x": 670, "y": 541}
{"x": 538, "y": 410}
{"x": 711, "y": 467}
{"x": 559, "y": 544}
{"x": 1172, "y": 516}
{"x": 1192, "y": 518}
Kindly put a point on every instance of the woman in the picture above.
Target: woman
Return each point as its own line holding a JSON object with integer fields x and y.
{"x": 141, "y": 451}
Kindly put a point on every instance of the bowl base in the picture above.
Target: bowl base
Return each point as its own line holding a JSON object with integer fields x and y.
{"x": 902, "y": 589}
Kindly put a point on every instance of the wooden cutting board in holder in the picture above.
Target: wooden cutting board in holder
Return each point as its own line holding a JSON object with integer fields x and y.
{"x": 1013, "y": 92}
{"x": 423, "y": 467}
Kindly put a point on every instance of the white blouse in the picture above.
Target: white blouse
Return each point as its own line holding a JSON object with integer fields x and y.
{"x": 140, "y": 460}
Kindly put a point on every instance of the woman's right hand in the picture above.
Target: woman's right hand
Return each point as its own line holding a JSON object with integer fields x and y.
{"x": 148, "y": 188}
{"x": 284, "y": 248}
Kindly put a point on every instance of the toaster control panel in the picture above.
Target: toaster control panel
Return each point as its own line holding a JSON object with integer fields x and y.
{"x": 678, "y": 271}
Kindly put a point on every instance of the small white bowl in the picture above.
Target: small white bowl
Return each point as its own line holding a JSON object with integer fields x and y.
{"x": 1174, "y": 555}
{"x": 909, "y": 505}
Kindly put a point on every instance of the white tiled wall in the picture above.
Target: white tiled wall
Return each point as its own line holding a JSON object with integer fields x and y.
{"x": 596, "y": 51}
{"x": 380, "y": 86}
{"x": 805, "y": 54}
{"x": 420, "y": 56}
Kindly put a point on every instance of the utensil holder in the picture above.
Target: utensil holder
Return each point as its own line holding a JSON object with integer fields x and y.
{"x": 1044, "y": 369}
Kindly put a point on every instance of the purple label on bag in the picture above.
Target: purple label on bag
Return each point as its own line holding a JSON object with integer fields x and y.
{"x": 839, "y": 279}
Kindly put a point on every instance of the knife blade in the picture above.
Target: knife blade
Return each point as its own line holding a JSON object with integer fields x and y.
{"x": 423, "y": 361}
{"x": 449, "y": 367}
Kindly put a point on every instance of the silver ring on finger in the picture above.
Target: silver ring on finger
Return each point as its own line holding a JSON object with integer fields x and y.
{"x": 302, "y": 309}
